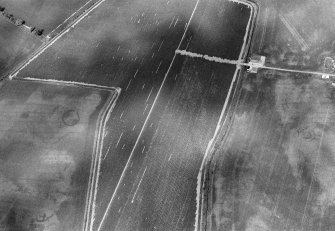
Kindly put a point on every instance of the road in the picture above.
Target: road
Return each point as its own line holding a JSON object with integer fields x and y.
{"x": 165, "y": 202}
{"x": 63, "y": 126}
{"x": 50, "y": 42}
{"x": 186, "y": 111}
{"x": 159, "y": 186}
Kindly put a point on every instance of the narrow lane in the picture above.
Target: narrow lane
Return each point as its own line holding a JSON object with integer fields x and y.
{"x": 123, "y": 44}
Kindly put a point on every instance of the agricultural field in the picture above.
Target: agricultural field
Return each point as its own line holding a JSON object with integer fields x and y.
{"x": 131, "y": 45}
{"x": 274, "y": 169}
{"x": 48, "y": 147}
{"x": 214, "y": 25}
{"x": 160, "y": 186}
{"x": 43, "y": 14}
{"x": 119, "y": 39}
{"x": 15, "y": 45}
{"x": 296, "y": 34}
{"x": 271, "y": 163}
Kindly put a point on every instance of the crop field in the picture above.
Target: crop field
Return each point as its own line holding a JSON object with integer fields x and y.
{"x": 15, "y": 45}
{"x": 117, "y": 40}
{"x": 131, "y": 45}
{"x": 48, "y": 151}
{"x": 215, "y": 25}
{"x": 43, "y": 14}
{"x": 160, "y": 183}
{"x": 274, "y": 170}
{"x": 296, "y": 34}
{"x": 270, "y": 167}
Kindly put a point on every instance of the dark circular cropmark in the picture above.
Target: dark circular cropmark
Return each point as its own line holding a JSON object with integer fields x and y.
{"x": 70, "y": 117}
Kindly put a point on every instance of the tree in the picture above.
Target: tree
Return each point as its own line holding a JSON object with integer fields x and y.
{"x": 40, "y": 32}
{"x": 19, "y": 22}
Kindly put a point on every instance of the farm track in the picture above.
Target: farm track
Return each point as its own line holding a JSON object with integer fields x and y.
{"x": 223, "y": 125}
{"x": 50, "y": 42}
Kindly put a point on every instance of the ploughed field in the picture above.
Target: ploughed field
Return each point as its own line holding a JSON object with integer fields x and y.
{"x": 47, "y": 146}
{"x": 296, "y": 34}
{"x": 274, "y": 169}
{"x": 131, "y": 45}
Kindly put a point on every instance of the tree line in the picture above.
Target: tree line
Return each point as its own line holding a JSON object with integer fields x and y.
{"x": 20, "y": 22}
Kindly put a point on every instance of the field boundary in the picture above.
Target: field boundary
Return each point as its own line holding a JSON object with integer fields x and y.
{"x": 50, "y": 42}
{"x": 100, "y": 133}
{"x": 98, "y": 143}
{"x": 69, "y": 83}
{"x": 101, "y": 224}
{"x": 73, "y": 15}
{"x": 223, "y": 123}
